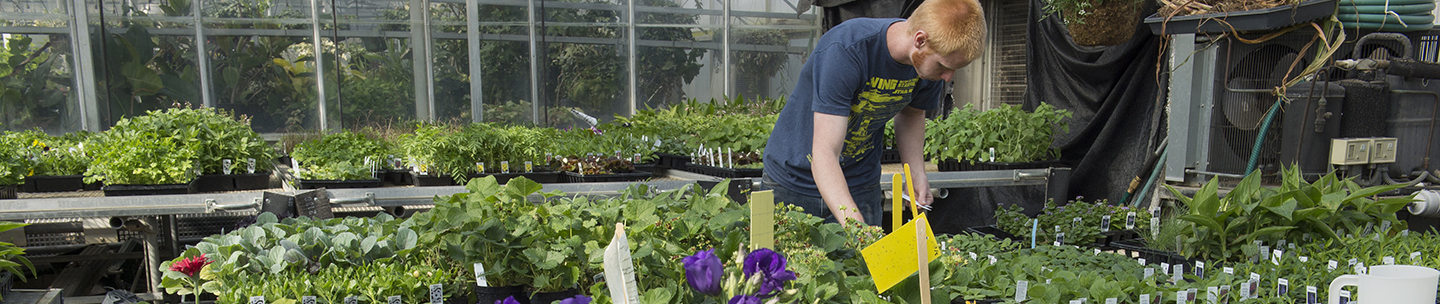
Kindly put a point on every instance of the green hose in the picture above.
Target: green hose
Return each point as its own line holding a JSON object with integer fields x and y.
{"x": 1260, "y": 139}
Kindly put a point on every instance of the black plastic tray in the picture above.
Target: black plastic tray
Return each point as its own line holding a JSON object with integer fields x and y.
{"x": 53, "y": 183}
{"x": 398, "y": 177}
{"x": 214, "y": 183}
{"x": 601, "y": 178}
{"x": 951, "y": 165}
{"x": 543, "y": 177}
{"x": 251, "y": 181}
{"x": 889, "y": 156}
{"x": 724, "y": 172}
{"x": 128, "y": 190}
{"x": 671, "y": 161}
{"x": 337, "y": 184}
{"x": 8, "y": 192}
{"x": 432, "y": 180}
{"x": 1243, "y": 21}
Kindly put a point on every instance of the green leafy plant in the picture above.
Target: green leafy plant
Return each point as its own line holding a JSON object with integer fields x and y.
{"x": 1015, "y": 135}
{"x": 140, "y": 158}
{"x": 14, "y": 165}
{"x": 490, "y": 224}
{"x": 53, "y": 155}
{"x": 13, "y": 257}
{"x": 1012, "y": 219}
{"x": 340, "y": 156}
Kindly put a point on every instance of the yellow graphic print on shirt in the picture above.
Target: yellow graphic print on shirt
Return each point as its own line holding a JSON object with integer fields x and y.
{"x": 880, "y": 99}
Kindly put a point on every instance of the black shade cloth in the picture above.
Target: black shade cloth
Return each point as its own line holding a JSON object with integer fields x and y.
{"x": 1115, "y": 93}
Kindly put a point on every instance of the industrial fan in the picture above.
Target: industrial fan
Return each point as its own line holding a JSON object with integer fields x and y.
{"x": 1246, "y": 75}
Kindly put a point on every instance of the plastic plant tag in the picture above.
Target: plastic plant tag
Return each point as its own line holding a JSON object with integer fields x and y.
{"x": 1275, "y": 256}
{"x": 1212, "y": 294}
{"x": 1254, "y": 276}
{"x": 1130, "y": 220}
{"x": 1144, "y": 299}
{"x": 1254, "y": 288}
{"x": 1332, "y": 265}
{"x": 1224, "y": 291}
{"x": 973, "y": 256}
{"x": 1264, "y": 252}
{"x": 307, "y": 300}
{"x": 1141, "y": 260}
{"x": 1292, "y": 246}
{"x": 1075, "y": 221}
{"x": 480, "y": 167}
{"x": 1190, "y": 294}
{"x": 1389, "y": 260}
{"x": 1310, "y": 295}
{"x": 1105, "y": 223}
{"x": 1149, "y": 272}
{"x": 1385, "y": 227}
{"x": 1245, "y": 290}
{"x": 620, "y": 269}
{"x": 393, "y": 300}
{"x": 529, "y": 167}
{"x": 1280, "y": 243}
{"x": 1059, "y": 238}
{"x": 1179, "y": 274}
{"x": 1360, "y": 268}
{"x": 225, "y": 166}
{"x": 1154, "y": 227}
{"x": 437, "y": 294}
{"x": 1414, "y": 257}
{"x": 1304, "y": 259}
{"x": 1282, "y": 287}
{"x": 635, "y": 159}
{"x": 504, "y": 166}
{"x": 1165, "y": 268}
{"x": 1200, "y": 269}
{"x": 1112, "y": 301}
{"x": 257, "y": 300}
{"x": 1229, "y": 270}
{"x": 352, "y": 300}
{"x": 1021, "y": 290}
{"x": 1077, "y": 302}
{"x": 1097, "y": 251}
{"x": 1344, "y": 296}
{"x": 992, "y": 260}
{"x": 1405, "y": 233}
{"x": 250, "y": 165}
{"x": 1180, "y": 297}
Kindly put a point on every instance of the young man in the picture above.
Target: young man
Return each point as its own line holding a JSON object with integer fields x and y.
{"x": 824, "y": 154}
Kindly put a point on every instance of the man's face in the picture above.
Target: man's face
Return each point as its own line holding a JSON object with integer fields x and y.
{"x": 932, "y": 66}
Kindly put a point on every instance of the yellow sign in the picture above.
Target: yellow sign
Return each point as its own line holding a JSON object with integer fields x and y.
{"x": 762, "y": 219}
{"x": 894, "y": 257}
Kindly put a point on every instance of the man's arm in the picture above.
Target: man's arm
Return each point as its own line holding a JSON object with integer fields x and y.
{"x": 910, "y": 140}
{"x": 827, "y": 141}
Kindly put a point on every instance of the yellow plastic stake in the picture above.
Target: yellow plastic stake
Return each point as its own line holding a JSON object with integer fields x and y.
{"x": 896, "y": 208}
{"x": 910, "y": 188}
{"x": 894, "y": 258}
{"x": 923, "y": 258}
{"x": 762, "y": 219}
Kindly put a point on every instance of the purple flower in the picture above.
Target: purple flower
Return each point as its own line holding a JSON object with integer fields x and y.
{"x": 745, "y": 299}
{"x": 509, "y": 300}
{"x": 703, "y": 271}
{"x": 578, "y": 299}
{"x": 771, "y": 267}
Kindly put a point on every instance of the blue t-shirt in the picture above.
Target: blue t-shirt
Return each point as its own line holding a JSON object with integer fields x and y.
{"x": 850, "y": 73}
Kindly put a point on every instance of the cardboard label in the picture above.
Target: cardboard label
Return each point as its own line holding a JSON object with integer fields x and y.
{"x": 1264, "y": 252}
{"x": 893, "y": 258}
{"x": 1360, "y": 268}
{"x": 762, "y": 219}
{"x": 1021, "y": 290}
{"x": 1075, "y": 221}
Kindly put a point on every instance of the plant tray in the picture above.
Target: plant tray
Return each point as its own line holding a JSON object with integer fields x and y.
{"x": 654, "y": 168}
{"x": 889, "y": 156}
{"x": 1152, "y": 256}
{"x": 543, "y": 177}
{"x": 398, "y": 177}
{"x": 8, "y": 192}
{"x": 1242, "y": 21}
{"x": 53, "y": 183}
{"x": 951, "y": 165}
{"x": 672, "y": 161}
{"x": 251, "y": 181}
{"x": 337, "y": 184}
{"x": 214, "y": 183}
{"x": 1110, "y": 238}
{"x": 432, "y": 180}
{"x": 128, "y": 190}
{"x": 725, "y": 172}
{"x": 630, "y": 176}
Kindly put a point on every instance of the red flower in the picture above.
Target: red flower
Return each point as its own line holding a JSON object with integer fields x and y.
{"x": 190, "y": 266}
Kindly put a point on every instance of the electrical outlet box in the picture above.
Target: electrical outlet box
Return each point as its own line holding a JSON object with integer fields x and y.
{"x": 1350, "y": 151}
{"x": 1383, "y": 150}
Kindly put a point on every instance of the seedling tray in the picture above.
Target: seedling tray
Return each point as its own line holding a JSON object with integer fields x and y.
{"x": 251, "y": 181}
{"x": 724, "y": 172}
{"x": 128, "y": 190}
{"x": 952, "y": 165}
{"x": 53, "y": 183}
{"x": 337, "y": 184}
{"x": 398, "y": 177}
{"x": 629, "y": 176}
{"x": 672, "y": 161}
{"x": 214, "y": 183}
{"x": 8, "y": 192}
{"x": 432, "y": 180}
{"x": 1242, "y": 21}
{"x": 889, "y": 156}
{"x": 1153, "y": 256}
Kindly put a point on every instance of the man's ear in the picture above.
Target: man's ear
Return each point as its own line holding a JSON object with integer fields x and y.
{"x": 921, "y": 38}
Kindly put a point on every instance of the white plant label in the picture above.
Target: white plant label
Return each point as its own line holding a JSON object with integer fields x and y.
{"x": 1283, "y": 287}
{"x": 352, "y": 300}
{"x": 250, "y": 165}
{"x": 1254, "y": 288}
{"x": 437, "y": 294}
{"x": 1105, "y": 223}
{"x": 1142, "y": 261}
{"x": 973, "y": 256}
{"x": 257, "y": 300}
{"x": 1405, "y": 233}
{"x": 1179, "y": 273}
{"x": 1245, "y": 290}
{"x": 1228, "y": 270}
{"x": 1191, "y": 294}
{"x": 529, "y": 167}
{"x": 1149, "y": 272}
{"x": 1059, "y": 238}
{"x": 1155, "y": 226}
{"x": 1021, "y": 289}
{"x": 480, "y": 276}
{"x": 1291, "y": 245}
{"x": 1360, "y": 268}
{"x": 393, "y": 300}
{"x": 1097, "y": 251}
{"x": 992, "y": 260}
{"x": 1353, "y": 261}
{"x": 1333, "y": 264}
{"x": 1212, "y": 294}
{"x": 1304, "y": 259}
{"x": 1344, "y": 296}
{"x": 1165, "y": 268}
{"x": 504, "y": 166}
{"x": 1275, "y": 256}
{"x": 1264, "y": 252}
{"x": 1280, "y": 243}
{"x": 1200, "y": 269}
{"x": 1385, "y": 227}
{"x": 1389, "y": 260}
{"x": 1180, "y": 297}
{"x": 1075, "y": 221}
{"x": 225, "y": 166}
{"x": 307, "y": 300}
{"x": 1112, "y": 301}
{"x": 1144, "y": 299}
{"x": 1414, "y": 257}
{"x": 294, "y": 164}
{"x": 1130, "y": 220}
{"x": 1311, "y": 294}
{"x": 1224, "y": 290}
{"x": 1077, "y": 302}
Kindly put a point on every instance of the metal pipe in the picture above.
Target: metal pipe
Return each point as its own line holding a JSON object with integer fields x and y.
{"x": 631, "y": 58}
{"x": 472, "y": 34}
{"x": 319, "y": 63}
{"x": 534, "y": 63}
{"x": 202, "y": 56}
{"x": 1193, "y": 171}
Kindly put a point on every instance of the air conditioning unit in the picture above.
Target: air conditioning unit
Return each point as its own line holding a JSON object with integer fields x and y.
{"x": 1245, "y": 77}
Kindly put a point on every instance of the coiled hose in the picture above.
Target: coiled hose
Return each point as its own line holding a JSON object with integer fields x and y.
{"x": 1387, "y": 15}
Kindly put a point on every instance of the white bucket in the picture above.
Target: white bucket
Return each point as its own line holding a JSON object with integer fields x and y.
{"x": 1390, "y": 284}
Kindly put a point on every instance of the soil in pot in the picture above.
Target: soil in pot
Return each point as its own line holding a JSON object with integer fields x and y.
{"x": 1111, "y": 23}
{"x": 489, "y": 295}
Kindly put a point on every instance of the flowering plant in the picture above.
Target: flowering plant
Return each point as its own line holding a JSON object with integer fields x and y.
{"x": 186, "y": 275}
{"x": 577, "y": 299}
{"x": 761, "y": 279}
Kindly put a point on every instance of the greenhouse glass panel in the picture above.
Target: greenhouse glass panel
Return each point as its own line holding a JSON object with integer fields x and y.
{"x": 262, "y": 63}
{"x": 679, "y": 12}
{"x": 672, "y": 65}
{"x": 376, "y": 79}
{"x": 767, "y": 52}
{"x": 585, "y": 62}
{"x": 36, "y": 82}
{"x": 451, "y": 62}
{"x": 149, "y": 57}
{"x": 505, "y": 73}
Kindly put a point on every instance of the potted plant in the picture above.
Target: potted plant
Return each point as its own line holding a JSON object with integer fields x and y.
{"x": 339, "y": 160}
{"x": 998, "y": 139}
{"x": 58, "y": 161}
{"x": 431, "y": 155}
{"x": 133, "y": 162}
{"x": 1097, "y": 22}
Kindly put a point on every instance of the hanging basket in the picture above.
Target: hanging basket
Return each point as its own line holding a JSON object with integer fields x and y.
{"x": 1110, "y": 23}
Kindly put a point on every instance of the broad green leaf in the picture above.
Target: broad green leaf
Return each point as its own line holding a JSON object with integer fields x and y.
{"x": 1203, "y": 221}
{"x": 1206, "y": 201}
{"x": 1372, "y": 191}
{"x": 1263, "y": 232}
{"x": 1284, "y": 209}
{"x": 405, "y": 238}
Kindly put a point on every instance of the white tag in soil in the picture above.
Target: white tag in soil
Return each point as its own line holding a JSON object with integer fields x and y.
{"x": 1414, "y": 257}
{"x": 1105, "y": 223}
{"x": 992, "y": 260}
{"x": 1149, "y": 272}
{"x": 307, "y": 300}
{"x": 225, "y": 166}
{"x": 294, "y": 164}
{"x": 1180, "y": 297}
{"x": 1389, "y": 260}
{"x": 1360, "y": 268}
{"x": 1021, "y": 289}
{"x": 1059, "y": 238}
{"x": 1385, "y": 227}
{"x": 1112, "y": 301}
{"x": 1097, "y": 252}
{"x": 1179, "y": 273}
{"x": 1077, "y": 302}
{"x": 529, "y": 167}
{"x": 1264, "y": 252}
{"x": 1155, "y": 225}
{"x": 257, "y": 300}
{"x": 480, "y": 276}
{"x": 1275, "y": 256}
{"x": 393, "y": 300}
{"x": 973, "y": 256}
{"x": 437, "y": 294}
{"x": 505, "y": 166}
{"x": 1141, "y": 260}
{"x": 1245, "y": 290}
{"x": 1405, "y": 233}
{"x": 1200, "y": 269}
{"x": 1310, "y": 295}
{"x": 1304, "y": 259}
{"x": 1254, "y": 288}
{"x": 1332, "y": 265}
{"x": 1130, "y": 220}
{"x": 1282, "y": 287}
{"x": 1344, "y": 296}
{"x": 1228, "y": 270}
{"x": 1165, "y": 268}
{"x": 1212, "y": 294}
{"x": 1144, "y": 299}
{"x": 1224, "y": 291}
{"x": 352, "y": 300}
